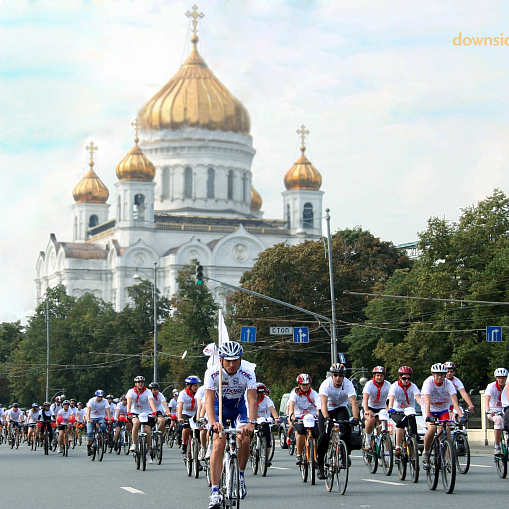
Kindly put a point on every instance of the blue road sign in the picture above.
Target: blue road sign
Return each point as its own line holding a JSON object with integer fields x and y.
{"x": 248, "y": 334}
{"x": 342, "y": 358}
{"x": 494, "y": 334}
{"x": 301, "y": 334}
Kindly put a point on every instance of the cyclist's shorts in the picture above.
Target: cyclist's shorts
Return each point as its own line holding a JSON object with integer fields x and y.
{"x": 441, "y": 415}
{"x": 236, "y": 415}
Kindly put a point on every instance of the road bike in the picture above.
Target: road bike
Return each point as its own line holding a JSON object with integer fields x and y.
{"x": 336, "y": 463}
{"x": 14, "y": 436}
{"x": 140, "y": 453}
{"x": 170, "y": 435}
{"x": 409, "y": 456}
{"x": 381, "y": 450}
{"x": 309, "y": 454}
{"x": 442, "y": 458}
{"x": 191, "y": 456}
{"x": 460, "y": 441}
{"x": 98, "y": 442}
{"x": 259, "y": 455}
{"x": 229, "y": 482}
{"x": 157, "y": 445}
{"x": 502, "y": 459}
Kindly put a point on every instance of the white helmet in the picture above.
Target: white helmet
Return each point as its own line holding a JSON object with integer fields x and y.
{"x": 438, "y": 368}
{"x": 231, "y": 350}
{"x": 501, "y": 372}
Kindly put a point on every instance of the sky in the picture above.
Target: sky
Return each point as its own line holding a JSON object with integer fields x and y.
{"x": 404, "y": 124}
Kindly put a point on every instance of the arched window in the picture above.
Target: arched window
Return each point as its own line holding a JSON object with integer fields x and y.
{"x": 188, "y": 183}
{"x": 210, "y": 182}
{"x": 230, "y": 185}
{"x": 139, "y": 207}
{"x": 119, "y": 209}
{"x": 307, "y": 215}
{"x": 288, "y": 216}
{"x": 93, "y": 221}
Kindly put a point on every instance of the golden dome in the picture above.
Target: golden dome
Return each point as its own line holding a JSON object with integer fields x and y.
{"x": 90, "y": 188}
{"x": 194, "y": 97}
{"x": 136, "y": 166}
{"x": 303, "y": 175}
{"x": 256, "y": 200}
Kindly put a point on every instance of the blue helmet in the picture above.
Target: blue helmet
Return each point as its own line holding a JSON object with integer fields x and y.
{"x": 190, "y": 380}
{"x": 231, "y": 350}
{"x": 99, "y": 393}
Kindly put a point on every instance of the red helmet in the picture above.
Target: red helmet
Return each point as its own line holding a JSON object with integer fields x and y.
{"x": 379, "y": 369}
{"x": 407, "y": 370}
{"x": 303, "y": 378}
{"x": 261, "y": 388}
{"x": 450, "y": 365}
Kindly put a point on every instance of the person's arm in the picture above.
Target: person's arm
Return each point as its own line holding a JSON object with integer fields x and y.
{"x": 165, "y": 406}
{"x": 418, "y": 399}
{"x": 152, "y": 405}
{"x": 467, "y": 399}
{"x": 391, "y": 401}
{"x": 487, "y": 399}
{"x": 355, "y": 407}
{"x": 427, "y": 406}
{"x": 273, "y": 412}
{"x": 365, "y": 400}
{"x": 454, "y": 401}
{"x": 211, "y": 412}
{"x": 180, "y": 407}
{"x": 323, "y": 405}
{"x": 108, "y": 413}
{"x": 87, "y": 414}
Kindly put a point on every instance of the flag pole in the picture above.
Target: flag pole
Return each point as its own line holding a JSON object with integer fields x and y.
{"x": 220, "y": 392}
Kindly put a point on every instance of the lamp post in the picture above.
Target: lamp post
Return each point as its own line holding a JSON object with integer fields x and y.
{"x": 334, "y": 341}
{"x": 154, "y": 296}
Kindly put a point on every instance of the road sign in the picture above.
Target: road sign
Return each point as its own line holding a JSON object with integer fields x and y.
{"x": 301, "y": 334}
{"x": 342, "y": 358}
{"x": 281, "y": 331}
{"x": 494, "y": 334}
{"x": 248, "y": 334}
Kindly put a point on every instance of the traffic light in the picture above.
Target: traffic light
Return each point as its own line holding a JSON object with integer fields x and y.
{"x": 199, "y": 274}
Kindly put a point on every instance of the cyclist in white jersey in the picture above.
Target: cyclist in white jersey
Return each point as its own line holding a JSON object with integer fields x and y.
{"x": 451, "y": 375}
{"x": 32, "y": 418}
{"x": 161, "y": 407}
{"x": 236, "y": 381}
{"x": 403, "y": 394}
{"x": 187, "y": 407}
{"x": 140, "y": 400}
{"x": 72, "y": 406}
{"x": 55, "y": 407}
{"x": 439, "y": 393}
{"x": 113, "y": 406}
{"x": 64, "y": 426}
{"x": 494, "y": 403}
{"x": 374, "y": 398}
{"x": 14, "y": 417}
{"x": 121, "y": 410}
{"x": 97, "y": 409}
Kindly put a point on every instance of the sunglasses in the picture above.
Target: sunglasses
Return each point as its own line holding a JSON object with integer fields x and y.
{"x": 405, "y": 378}
{"x": 336, "y": 375}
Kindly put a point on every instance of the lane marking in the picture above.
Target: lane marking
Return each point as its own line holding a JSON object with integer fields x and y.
{"x": 280, "y": 468}
{"x": 385, "y": 482}
{"x": 132, "y": 490}
{"x": 482, "y": 466}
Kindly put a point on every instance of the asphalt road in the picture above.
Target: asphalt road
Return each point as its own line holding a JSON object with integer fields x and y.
{"x": 32, "y": 480}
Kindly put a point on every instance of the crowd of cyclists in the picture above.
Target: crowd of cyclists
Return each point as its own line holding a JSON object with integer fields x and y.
{"x": 231, "y": 397}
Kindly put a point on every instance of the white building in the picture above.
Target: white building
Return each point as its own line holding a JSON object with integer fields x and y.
{"x": 184, "y": 193}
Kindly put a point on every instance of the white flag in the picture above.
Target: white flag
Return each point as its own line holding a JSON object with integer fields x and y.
{"x": 223, "y": 331}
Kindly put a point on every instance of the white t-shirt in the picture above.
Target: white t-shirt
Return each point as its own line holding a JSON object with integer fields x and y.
{"x": 200, "y": 393}
{"x": 158, "y": 401}
{"x": 400, "y": 398}
{"x": 377, "y": 397}
{"x": 264, "y": 407}
{"x": 337, "y": 396}
{"x": 496, "y": 397}
{"x": 458, "y": 384}
{"x": 113, "y": 407}
{"x": 140, "y": 402}
{"x": 33, "y": 417}
{"x": 440, "y": 395}
{"x": 55, "y": 408}
{"x": 190, "y": 405}
{"x": 173, "y": 405}
{"x": 81, "y": 413}
{"x": 309, "y": 404}
{"x": 97, "y": 408}
{"x": 65, "y": 415}
{"x": 15, "y": 416}
{"x": 73, "y": 409}
{"x": 120, "y": 410}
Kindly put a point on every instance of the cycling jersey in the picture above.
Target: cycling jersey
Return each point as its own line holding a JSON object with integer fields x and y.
{"x": 80, "y": 415}
{"x": 496, "y": 397}
{"x": 458, "y": 384}
{"x": 33, "y": 417}
{"x": 403, "y": 399}
{"x": 305, "y": 403}
{"x": 97, "y": 408}
{"x": 113, "y": 407}
{"x": 158, "y": 401}
{"x": 188, "y": 400}
{"x": 65, "y": 415}
{"x": 121, "y": 410}
{"x": 14, "y": 416}
{"x": 140, "y": 400}
{"x": 55, "y": 408}
{"x": 377, "y": 395}
{"x": 264, "y": 405}
{"x": 440, "y": 395}
{"x": 337, "y": 396}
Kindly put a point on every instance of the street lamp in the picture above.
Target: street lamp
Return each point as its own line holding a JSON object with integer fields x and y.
{"x": 154, "y": 296}
{"x": 334, "y": 341}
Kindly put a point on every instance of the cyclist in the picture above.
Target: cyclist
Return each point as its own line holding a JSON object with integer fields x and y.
{"x": 187, "y": 407}
{"x": 265, "y": 410}
{"x": 201, "y": 420}
{"x": 72, "y": 406}
{"x": 161, "y": 407}
{"x": 451, "y": 375}
{"x": 140, "y": 400}
{"x": 494, "y": 402}
{"x": 374, "y": 398}
{"x": 65, "y": 426}
{"x": 32, "y": 418}
{"x": 237, "y": 380}
{"x": 403, "y": 394}
{"x": 97, "y": 407}
{"x": 46, "y": 417}
{"x": 173, "y": 402}
{"x": 121, "y": 410}
{"x": 303, "y": 400}
{"x": 14, "y": 417}
{"x": 439, "y": 393}
{"x": 335, "y": 392}
{"x": 55, "y": 407}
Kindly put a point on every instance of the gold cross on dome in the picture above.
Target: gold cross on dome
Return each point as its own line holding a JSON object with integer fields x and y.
{"x": 91, "y": 148}
{"x": 303, "y": 132}
{"x": 195, "y": 15}
{"x": 136, "y": 124}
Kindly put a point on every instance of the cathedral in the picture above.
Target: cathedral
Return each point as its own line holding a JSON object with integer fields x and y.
{"x": 184, "y": 194}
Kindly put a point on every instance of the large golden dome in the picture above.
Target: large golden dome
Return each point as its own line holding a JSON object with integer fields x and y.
{"x": 256, "y": 200}
{"x": 90, "y": 189}
{"x": 303, "y": 175}
{"x": 136, "y": 166}
{"x": 194, "y": 97}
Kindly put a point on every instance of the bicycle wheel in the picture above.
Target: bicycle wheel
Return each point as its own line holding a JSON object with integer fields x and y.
{"x": 74, "y": 438}
{"x": 143, "y": 452}
{"x": 386, "y": 454}
{"x": 264, "y": 456}
{"x": 304, "y": 469}
{"x": 94, "y": 449}
{"x": 18, "y": 438}
{"x": 413, "y": 458}
{"x": 100, "y": 446}
{"x": 46, "y": 442}
{"x": 137, "y": 457}
{"x": 291, "y": 447}
{"x": 188, "y": 456}
{"x": 65, "y": 449}
{"x": 448, "y": 466}
{"x": 282, "y": 439}
{"x": 159, "y": 448}
{"x": 402, "y": 461}
{"x": 255, "y": 455}
{"x": 111, "y": 441}
{"x": 207, "y": 473}
{"x": 312, "y": 462}
{"x": 80, "y": 436}
{"x": 234, "y": 483}
{"x": 172, "y": 437}
{"x": 501, "y": 464}
{"x": 342, "y": 467}
{"x": 372, "y": 457}
{"x": 196, "y": 460}
{"x": 462, "y": 451}
{"x": 330, "y": 466}
{"x": 433, "y": 466}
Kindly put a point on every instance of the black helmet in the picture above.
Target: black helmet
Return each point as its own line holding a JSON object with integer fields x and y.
{"x": 15, "y": 405}
{"x": 337, "y": 369}
{"x": 153, "y": 385}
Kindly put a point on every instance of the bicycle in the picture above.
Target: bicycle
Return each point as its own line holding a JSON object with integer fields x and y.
{"x": 309, "y": 458}
{"x": 461, "y": 447}
{"x": 229, "y": 481}
{"x": 98, "y": 443}
{"x": 259, "y": 449}
{"x": 79, "y": 432}
{"x": 125, "y": 439}
{"x": 14, "y": 436}
{"x": 441, "y": 458}
{"x": 501, "y": 461}
{"x": 336, "y": 460}
{"x": 409, "y": 457}
{"x": 191, "y": 456}
{"x": 381, "y": 450}
{"x": 170, "y": 434}
{"x": 157, "y": 444}
{"x": 140, "y": 454}
{"x": 109, "y": 442}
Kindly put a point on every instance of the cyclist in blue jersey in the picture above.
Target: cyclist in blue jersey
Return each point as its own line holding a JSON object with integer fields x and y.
{"x": 237, "y": 381}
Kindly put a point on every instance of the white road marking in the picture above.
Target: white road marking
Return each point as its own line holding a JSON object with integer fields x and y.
{"x": 482, "y": 466}
{"x": 132, "y": 490}
{"x": 385, "y": 482}
{"x": 280, "y": 468}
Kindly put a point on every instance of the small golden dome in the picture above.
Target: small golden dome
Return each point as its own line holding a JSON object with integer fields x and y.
{"x": 303, "y": 175}
{"x": 194, "y": 97}
{"x": 256, "y": 200}
{"x": 136, "y": 166}
{"x": 90, "y": 188}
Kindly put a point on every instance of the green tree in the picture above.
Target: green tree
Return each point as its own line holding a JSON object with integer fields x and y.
{"x": 11, "y": 334}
